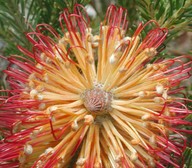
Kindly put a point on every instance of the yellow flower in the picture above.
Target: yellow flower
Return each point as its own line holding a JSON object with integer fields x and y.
{"x": 94, "y": 101}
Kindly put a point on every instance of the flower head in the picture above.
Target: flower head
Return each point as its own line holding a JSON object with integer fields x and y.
{"x": 85, "y": 100}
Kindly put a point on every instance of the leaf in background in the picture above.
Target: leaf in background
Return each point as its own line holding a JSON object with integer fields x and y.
{"x": 172, "y": 14}
{"x": 20, "y": 16}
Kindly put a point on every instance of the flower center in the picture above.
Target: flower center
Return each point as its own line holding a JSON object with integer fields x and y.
{"x": 97, "y": 101}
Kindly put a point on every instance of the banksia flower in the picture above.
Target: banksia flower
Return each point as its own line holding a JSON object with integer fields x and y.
{"x": 84, "y": 100}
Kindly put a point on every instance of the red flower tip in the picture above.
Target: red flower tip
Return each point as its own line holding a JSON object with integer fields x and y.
{"x": 116, "y": 17}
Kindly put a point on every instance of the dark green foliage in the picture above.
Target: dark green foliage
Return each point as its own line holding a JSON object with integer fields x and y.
{"x": 20, "y": 16}
{"x": 187, "y": 158}
{"x": 172, "y": 14}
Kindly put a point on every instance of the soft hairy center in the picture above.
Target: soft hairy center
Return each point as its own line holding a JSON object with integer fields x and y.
{"x": 97, "y": 101}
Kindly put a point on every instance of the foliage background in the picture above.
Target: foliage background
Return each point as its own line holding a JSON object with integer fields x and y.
{"x": 20, "y": 16}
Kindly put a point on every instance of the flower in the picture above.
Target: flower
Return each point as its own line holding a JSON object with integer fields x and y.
{"x": 84, "y": 100}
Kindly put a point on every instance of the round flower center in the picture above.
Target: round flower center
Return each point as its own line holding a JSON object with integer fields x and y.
{"x": 97, "y": 101}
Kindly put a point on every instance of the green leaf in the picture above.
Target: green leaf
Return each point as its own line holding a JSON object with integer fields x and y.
{"x": 187, "y": 158}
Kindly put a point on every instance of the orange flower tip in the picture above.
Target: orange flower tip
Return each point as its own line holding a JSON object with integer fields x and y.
{"x": 149, "y": 66}
{"x": 40, "y": 97}
{"x": 154, "y": 67}
{"x": 112, "y": 59}
{"x": 34, "y": 134}
{"x": 90, "y": 38}
{"x": 151, "y": 163}
{"x": 97, "y": 164}
{"x": 43, "y": 56}
{"x": 159, "y": 88}
{"x": 33, "y": 93}
{"x": 165, "y": 95}
{"x": 67, "y": 64}
{"x": 123, "y": 32}
{"x": 48, "y": 61}
{"x": 51, "y": 109}
{"x": 141, "y": 94}
{"x": 150, "y": 52}
{"x": 152, "y": 139}
{"x": 49, "y": 150}
{"x": 125, "y": 39}
{"x": 59, "y": 58}
{"x": 39, "y": 66}
{"x": 42, "y": 106}
{"x": 80, "y": 162}
{"x": 31, "y": 85}
{"x": 145, "y": 124}
{"x": 95, "y": 44}
{"x": 122, "y": 70}
{"x": 22, "y": 158}
{"x": 160, "y": 121}
{"x": 146, "y": 117}
{"x": 28, "y": 149}
{"x": 31, "y": 76}
{"x": 88, "y": 119}
{"x": 118, "y": 158}
{"x": 53, "y": 119}
{"x": 16, "y": 127}
{"x": 62, "y": 41}
{"x": 89, "y": 59}
{"x": 134, "y": 156}
{"x": 159, "y": 100}
{"x": 75, "y": 125}
{"x": 93, "y": 39}
{"x": 135, "y": 141}
{"x": 88, "y": 30}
